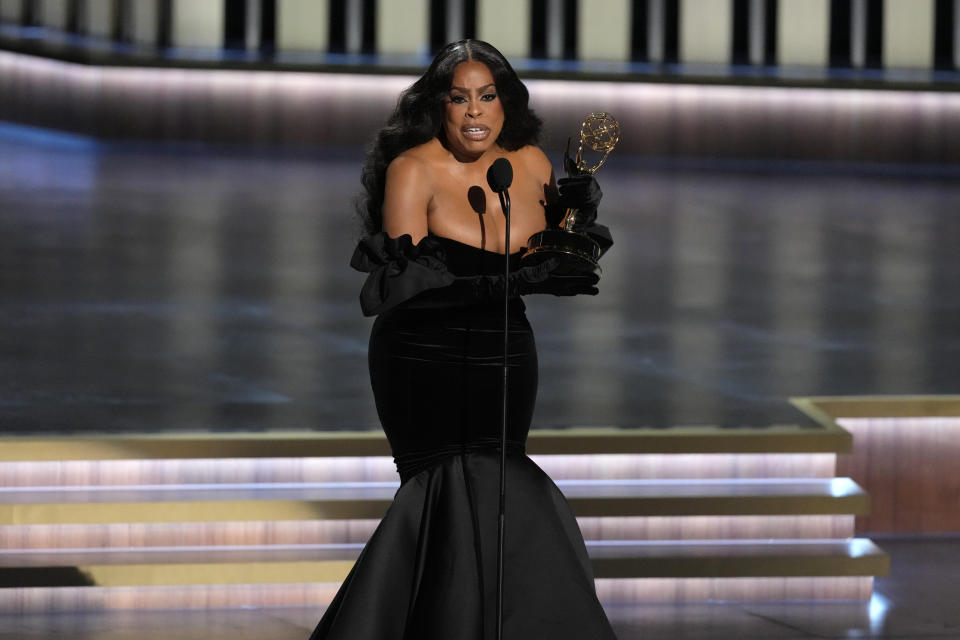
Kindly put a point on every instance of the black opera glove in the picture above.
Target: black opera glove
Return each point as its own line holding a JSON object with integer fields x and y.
{"x": 398, "y": 270}
{"x": 416, "y": 276}
{"x": 563, "y": 285}
{"x": 539, "y": 278}
{"x": 583, "y": 193}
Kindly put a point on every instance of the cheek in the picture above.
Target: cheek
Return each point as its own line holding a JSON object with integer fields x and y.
{"x": 499, "y": 114}
{"x": 453, "y": 112}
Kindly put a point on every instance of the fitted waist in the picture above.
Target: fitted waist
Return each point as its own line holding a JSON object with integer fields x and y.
{"x": 487, "y": 316}
{"x": 411, "y": 463}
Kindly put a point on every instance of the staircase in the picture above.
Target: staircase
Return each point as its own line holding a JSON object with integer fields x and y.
{"x": 211, "y": 520}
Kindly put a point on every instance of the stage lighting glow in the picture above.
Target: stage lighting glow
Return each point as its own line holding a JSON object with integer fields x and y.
{"x": 660, "y": 119}
{"x": 878, "y": 608}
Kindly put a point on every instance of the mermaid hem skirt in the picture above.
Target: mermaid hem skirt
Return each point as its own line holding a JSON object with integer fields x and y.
{"x": 429, "y": 570}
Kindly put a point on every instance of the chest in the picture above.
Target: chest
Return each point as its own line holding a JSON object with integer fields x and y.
{"x": 468, "y": 211}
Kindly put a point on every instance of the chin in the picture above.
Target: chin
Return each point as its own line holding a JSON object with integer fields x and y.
{"x": 474, "y": 149}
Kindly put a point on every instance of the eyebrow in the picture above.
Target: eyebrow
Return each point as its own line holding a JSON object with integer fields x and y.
{"x": 465, "y": 90}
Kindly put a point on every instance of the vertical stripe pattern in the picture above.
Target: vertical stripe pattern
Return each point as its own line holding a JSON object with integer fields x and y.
{"x": 164, "y": 23}
{"x": 403, "y": 28}
{"x": 705, "y": 31}
{"x": 197, "y": 24}
{"x": 303, "y": 25}
{"x": 450, "y": 21}
{"x": 604, "y": 29}
{"x": 506, "y": 25}
{"x": 671, "y": 31}
{"x": 908, "y": 37}
{"x": 754, "y": 32}
{"x": 803, "y": 33}
{"x": 840, "y": 33}
{"x": 874, "y": 33}
{"x": 145, "y": 19}
{"x": 946, "y": 27}
{"x": 858, "y": 34}
{"x": 639, "y": 31}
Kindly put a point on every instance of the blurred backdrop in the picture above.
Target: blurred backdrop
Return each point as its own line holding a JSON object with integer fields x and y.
{"x": 869, "y": 80}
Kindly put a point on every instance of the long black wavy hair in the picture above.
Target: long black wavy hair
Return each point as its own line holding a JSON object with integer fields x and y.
{"x": 418, "y": 117}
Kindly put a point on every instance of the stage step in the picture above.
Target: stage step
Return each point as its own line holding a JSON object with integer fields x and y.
{"x": 206, "y": 520}
{"x": 161, "y": 534}
{"x": 598, "y": 466}
{"x": 337, "y": 501}
{"x": 737, "y": 558}
{"x": 146, "y": 566}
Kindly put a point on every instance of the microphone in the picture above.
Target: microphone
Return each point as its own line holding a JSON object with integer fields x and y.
{"x": 500, "y": 175}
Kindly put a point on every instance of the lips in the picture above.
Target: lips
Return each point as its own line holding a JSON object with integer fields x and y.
{"x": 476, "y": 132}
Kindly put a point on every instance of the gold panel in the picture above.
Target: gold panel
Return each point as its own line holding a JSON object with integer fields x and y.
{"x": 829, "y": 408}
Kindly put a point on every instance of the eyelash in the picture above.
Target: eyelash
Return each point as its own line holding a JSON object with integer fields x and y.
{"x": 487, "y": 97}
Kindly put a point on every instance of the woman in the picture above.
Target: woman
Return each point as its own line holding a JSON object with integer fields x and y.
{"x": 434, "y": 253}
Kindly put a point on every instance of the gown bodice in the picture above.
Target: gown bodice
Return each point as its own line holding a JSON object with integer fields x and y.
{"x": 437, "y": 372}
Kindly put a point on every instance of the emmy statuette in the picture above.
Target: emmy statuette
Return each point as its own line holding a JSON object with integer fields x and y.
{"x": 576, "y": 251}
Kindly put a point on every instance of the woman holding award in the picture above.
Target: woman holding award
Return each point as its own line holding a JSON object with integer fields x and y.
{"x": 434, "y": 252}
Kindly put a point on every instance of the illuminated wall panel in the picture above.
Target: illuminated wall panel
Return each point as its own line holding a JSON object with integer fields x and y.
{"x": 506, "y": 25}
{"x": 302, "y": 25}
{"x": 10, "y": 10}
{"x": 908, "y": 34}
{"x": 197, "y": 24}
{"x": 309, "y": 108}
{"x": 145, "y": 16}
{"x": 803, "y": 32}
{"x": 705, "y": 31}
{"x": 908, "y": 465}
{"x": 54, "y": 14}
{"x": 402, "y": 27}
{"x": 100, "y": 18}
{"x": 603, "y": 30}
{"x": 46, "y": 599}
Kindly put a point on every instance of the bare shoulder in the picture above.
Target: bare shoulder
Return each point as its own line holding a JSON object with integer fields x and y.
{"x": 411, "y": 164}
{"x": 535, "y": 161}
{"x": 408, "y": 192}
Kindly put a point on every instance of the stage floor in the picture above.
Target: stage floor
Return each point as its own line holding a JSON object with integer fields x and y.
{"x": 147, "y": 288}
{"x": 917, "y": 602}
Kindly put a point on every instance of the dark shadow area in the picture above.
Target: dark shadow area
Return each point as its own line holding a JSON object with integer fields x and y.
{"x": 23, "y": 577}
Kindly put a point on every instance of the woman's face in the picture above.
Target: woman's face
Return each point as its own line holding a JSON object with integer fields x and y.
{"x": 474, "y": 114}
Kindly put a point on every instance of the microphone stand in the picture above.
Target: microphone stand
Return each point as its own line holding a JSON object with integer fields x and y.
{"x": 505, "y": 205}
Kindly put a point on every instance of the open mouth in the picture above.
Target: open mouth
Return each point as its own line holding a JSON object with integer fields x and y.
{"x": 476, "y": 133}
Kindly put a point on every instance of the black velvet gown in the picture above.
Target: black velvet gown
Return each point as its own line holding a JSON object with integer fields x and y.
{"x": 429, "y": 570}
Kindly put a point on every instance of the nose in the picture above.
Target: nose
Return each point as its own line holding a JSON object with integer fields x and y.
{"x": 473, "y": 109}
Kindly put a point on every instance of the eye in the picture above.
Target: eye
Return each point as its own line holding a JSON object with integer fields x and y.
{"x": 457, "y": 99}
{"x": 488, "y": 97}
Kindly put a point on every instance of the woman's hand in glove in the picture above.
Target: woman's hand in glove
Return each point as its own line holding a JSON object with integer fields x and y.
{"x": 543, "y": 278}
{"x": 579, "y": 192}
{"x": 582, "y": 193}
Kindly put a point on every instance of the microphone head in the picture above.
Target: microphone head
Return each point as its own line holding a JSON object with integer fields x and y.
{"x": 500, "y": 175}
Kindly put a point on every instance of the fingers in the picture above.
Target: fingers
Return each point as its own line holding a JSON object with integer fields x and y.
{"x": 580, "y": 192}
{"x": 540, "y": 272}
{"x": 575, "y": 285}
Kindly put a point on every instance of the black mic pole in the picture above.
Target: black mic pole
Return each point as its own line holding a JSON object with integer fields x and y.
{"x": 500, "y": 176}
{"x": 505, "y": 205}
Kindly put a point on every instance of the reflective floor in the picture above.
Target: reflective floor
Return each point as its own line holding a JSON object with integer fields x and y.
{"x": 917, "y": 602}
{"x": 161, "y": 288}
